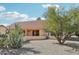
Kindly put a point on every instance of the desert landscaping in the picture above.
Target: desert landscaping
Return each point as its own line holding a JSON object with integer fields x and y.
{"x": 43, "y": 47}
{"x": 55, "y": 30}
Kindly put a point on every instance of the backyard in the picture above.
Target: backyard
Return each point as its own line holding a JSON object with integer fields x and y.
{"x": 43, "y": 47}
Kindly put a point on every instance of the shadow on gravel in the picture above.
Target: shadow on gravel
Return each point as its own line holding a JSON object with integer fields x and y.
{"x": 21, "y": 51}
{"x": 26, "y": 42}
{"x": 73, "y": 45}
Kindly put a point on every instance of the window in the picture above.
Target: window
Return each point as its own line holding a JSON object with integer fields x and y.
{"x": 35, "y": 32}
{"x": 24, "y": 32}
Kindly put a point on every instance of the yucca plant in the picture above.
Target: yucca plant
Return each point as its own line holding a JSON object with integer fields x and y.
{"x": 15, "y": 37}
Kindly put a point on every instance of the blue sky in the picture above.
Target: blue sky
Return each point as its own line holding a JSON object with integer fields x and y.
{"x": 13, "y": 12}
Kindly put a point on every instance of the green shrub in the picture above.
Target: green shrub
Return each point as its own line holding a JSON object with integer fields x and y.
{"x": 15, "y": 38}
{"x": 77, "y": 33}
{"x": 12, "y": 39}
{"x": 3, "y": 42}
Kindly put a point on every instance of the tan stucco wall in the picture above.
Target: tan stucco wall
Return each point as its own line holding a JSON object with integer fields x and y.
{"x": 2, "y": 30}
{"x": 42, "y": 33}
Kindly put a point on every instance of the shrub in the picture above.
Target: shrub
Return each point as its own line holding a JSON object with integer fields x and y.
{"x": 3, "y": 42}
{"x": 77, "y": 33}
{"x": 15, "y": 38}
{"x": 12, "y": 39}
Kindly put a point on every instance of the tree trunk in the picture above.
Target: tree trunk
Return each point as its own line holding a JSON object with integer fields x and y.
{"x": 62, "y": 40}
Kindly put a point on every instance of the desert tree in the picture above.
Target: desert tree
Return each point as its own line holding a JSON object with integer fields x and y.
{"x": 62, "y": 23}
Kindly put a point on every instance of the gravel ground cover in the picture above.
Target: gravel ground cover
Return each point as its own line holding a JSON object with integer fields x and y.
{"x": 43, "y": 47}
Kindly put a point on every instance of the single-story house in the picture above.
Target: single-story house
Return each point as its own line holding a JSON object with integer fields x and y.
{"x": 32, "y": 29}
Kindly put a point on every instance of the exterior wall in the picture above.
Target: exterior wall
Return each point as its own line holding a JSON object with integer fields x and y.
{"x": 25, "y": 32}
{"x": 32, "y": 25}
{"x": 43, "y": 33}
{"x": 29, "y": 33}
{"x": 2, "y": 30}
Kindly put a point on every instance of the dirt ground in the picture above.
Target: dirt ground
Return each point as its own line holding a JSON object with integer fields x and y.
{"x": 44, "y": 47}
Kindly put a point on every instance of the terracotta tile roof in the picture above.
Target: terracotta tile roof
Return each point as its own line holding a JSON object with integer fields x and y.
{"x": 36, "y": 24}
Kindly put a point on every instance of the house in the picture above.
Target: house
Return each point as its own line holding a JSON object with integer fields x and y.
{"x": 32, "y": 29}
{"x": 3, "y": 29}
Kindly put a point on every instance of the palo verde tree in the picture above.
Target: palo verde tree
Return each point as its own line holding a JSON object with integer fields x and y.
{"x": 74, "y": 14}
{"x": 62, "y": 23}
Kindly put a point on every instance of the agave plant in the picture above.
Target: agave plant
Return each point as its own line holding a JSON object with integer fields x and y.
{"x": 3, "y": 41}
{"x": 15, "y": 38}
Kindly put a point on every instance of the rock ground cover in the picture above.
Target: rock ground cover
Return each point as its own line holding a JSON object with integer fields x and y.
{"x": 43, "y": 47}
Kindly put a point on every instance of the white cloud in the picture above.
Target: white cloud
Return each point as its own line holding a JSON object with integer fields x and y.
{"x": 16, "y": 16}
{"x": 35, "y": 18}
{"x": 50, "y": 5}
{"x": 2, "y": 8}
{"x": 42, "y": 18}
{"x": 23, "y": 15}
{"x": 46, "y": 5}
{"x": 57, "y": 6}
{"x": 13, "y": 15}
{"x": 8, "y": 15}
{"x": 21, "y": 19}
{"x": 32, "y": 18}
